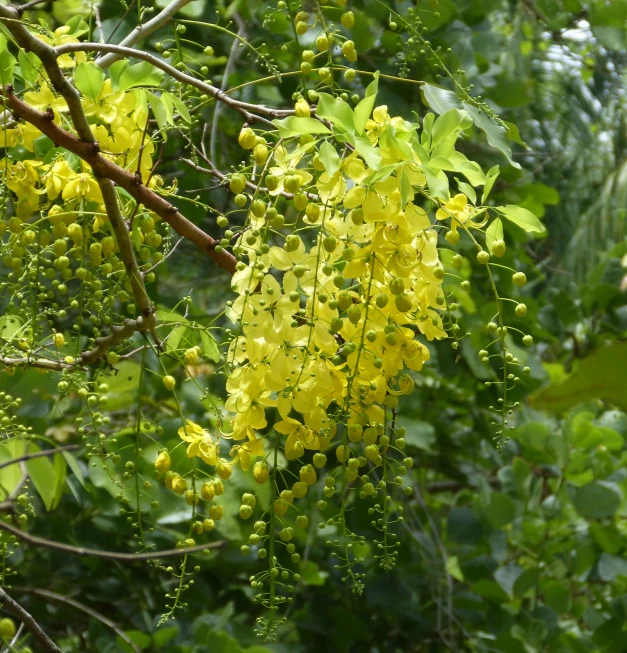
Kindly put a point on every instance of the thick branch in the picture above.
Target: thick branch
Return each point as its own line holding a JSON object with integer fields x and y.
{"x": 108, "y": 555}
{"x": 144, "y": 30}
{"x": 248, "y": 110}
{"x": 53, "y": 596}
{"x": 10, "y": 17}
{"x": 18, "y": 611}
{"x": 40, "y": 454}
{"x": 102, "y": 167}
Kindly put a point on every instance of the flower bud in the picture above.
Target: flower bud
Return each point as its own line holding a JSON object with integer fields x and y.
{"x": 260, "y": 472}
{"x": 162, "y": 463}
{"x": 247, "y": 138}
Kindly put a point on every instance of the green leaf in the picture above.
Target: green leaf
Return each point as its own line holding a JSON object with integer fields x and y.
{"x": 599, "y": 376}
{"x": 371, "y": 155}
{"x": 448, "y": 124}
{"x": 89, "y": 79}
{"x": 493, "y": 233}
{"x": 463, "y": 527}
{"x": 28, "y": 66}
{"x": 467, "y": 189}
{"x": 42, "y": 474}
{"x": 329, "y": 157}
{"x": 336, "y": 111}
{"x": 419, "y": 434}
{"x": 164, "y": 635}
{"x": 610, "y": 567}
{"x": 364, "y": 109}
{"x": 77, "y": 25}
{"x": 140, "y": 74}
{"x": 73, "y": 464}
{"x": 513, "y": 134}
{"x": 493, "y": 173}
{"x": 141, "y": 640}
{"x": 10, "y": 475}
{"x": 438, "y": 183}
{"x": 7, "y": 66}
{"x": 293, "y": 126}
{"x": 523, "y": 218}
{"x": 405, "y": 188}
{"x": 176, "y": 335}
{"x": 495, "y": 133}
{"x": 490, "y": 590}
{"x": 10, "y": 326}
{"x": 209, "y": 346}
{"x": 169, "y": 316}
{"x": 180, "y": 107}
{"x": 159, "y": 111}
{"x": 439, "y": 99}
{"x": 598, "y": 500}
{"x": 500, "y": 511}
{"x": 115, "y": 71}
{"x": 60, "y": 473}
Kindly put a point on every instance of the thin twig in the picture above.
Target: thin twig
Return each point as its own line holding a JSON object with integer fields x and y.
{"x": 161, "y": 19}
{"x": 248, "y": 110}
{"x": 53, "y": 596}
{"x": 108, "y": 555}
{"x": 241, "y": 33}
{"x": 18, "y": 611}
{"x": 39, "y": 454}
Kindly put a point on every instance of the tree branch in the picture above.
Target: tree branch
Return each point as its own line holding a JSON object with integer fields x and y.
{"x": 39, "y": 454}
{"x": 161, "y": 19}
{"x": 102, "y": 167}
{"x": 248, "y": 110}
{"x": 18, "y": 611}
{"x": 108, "y": 555}
{"x": 10, "y": 17}
{"x": 53, "y": 596}
{"x": 103, "y": 344}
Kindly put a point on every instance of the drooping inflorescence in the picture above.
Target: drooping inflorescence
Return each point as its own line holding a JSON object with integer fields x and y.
{"x": 342, "y": 278}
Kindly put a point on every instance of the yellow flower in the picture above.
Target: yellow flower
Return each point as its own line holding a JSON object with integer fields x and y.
{"x": 20, "y": 176}
{"x": 57, "y": 177}
{"x": 457, "y": 208}
{"x": 44, "y": 98}
{"x": 243, "y": 452}
{"x": 201, "y": 442}
{"x": 110, "y": 105}
{"x": 83, "y": 186}
{"x": 61, "y": 36}
{"x": 299, "y": 437}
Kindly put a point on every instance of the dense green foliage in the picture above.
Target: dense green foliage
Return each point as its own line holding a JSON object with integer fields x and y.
{"x": 514, "y": 544}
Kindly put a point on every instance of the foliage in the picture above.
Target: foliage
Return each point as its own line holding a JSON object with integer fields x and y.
{"x": 339, "y": 403}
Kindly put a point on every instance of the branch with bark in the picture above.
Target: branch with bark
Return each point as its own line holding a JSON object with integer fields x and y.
{"x": 107, "y": 555}
{"x": 60, "y": 598}
{"x": 12, "y": 606}
{"x": 10, "y": 18}
{"x": 104, "y": 168}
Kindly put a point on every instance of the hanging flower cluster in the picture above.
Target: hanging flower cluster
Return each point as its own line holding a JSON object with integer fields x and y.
{"x": 338, "y": 293}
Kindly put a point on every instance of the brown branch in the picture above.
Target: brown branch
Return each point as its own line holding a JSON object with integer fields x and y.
{"x": 10, "y": 17}
{"x": 108, "y": 555}
{"x": 104, "y": 168}
{"x": 53, "y": 596}
{"x": 103, "y": 344}
{"x": 18, "y": 611}
{"x": 39, "y": 454}
{"x": 248, "y": 110}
